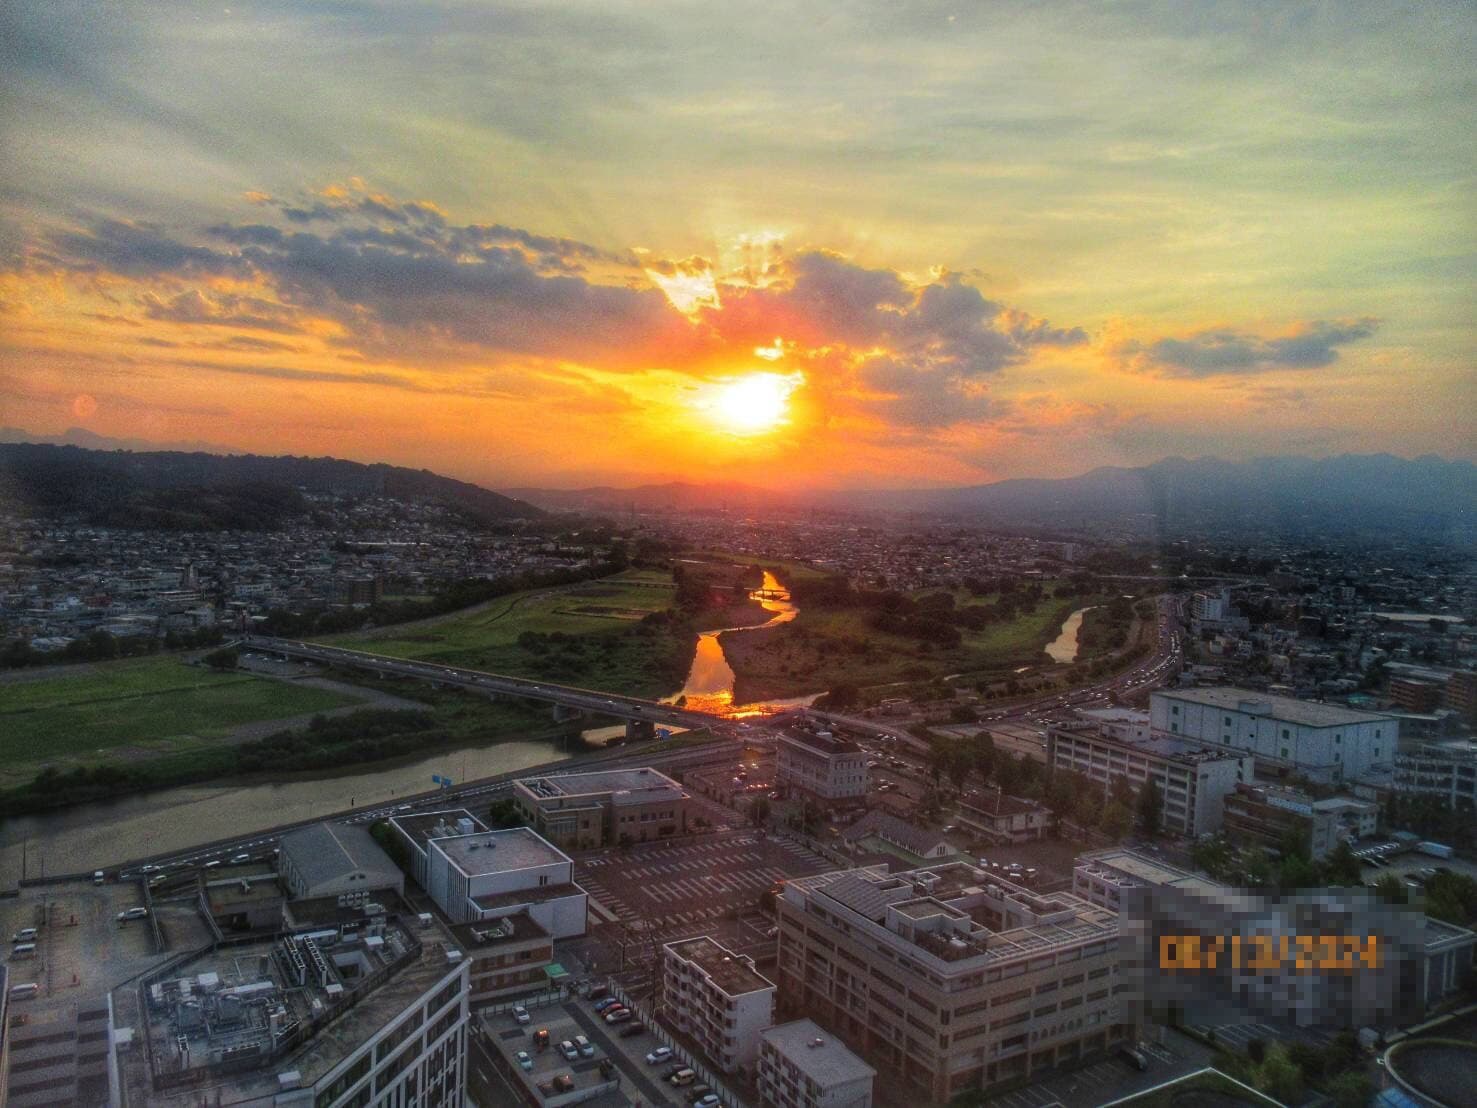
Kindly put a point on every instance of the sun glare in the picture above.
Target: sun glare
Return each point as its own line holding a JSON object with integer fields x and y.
{"x": 753, "y": 404}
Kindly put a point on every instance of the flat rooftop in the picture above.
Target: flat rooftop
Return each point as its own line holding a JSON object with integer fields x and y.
{"x": 535, "y": 895}
{"x": 643, "y": 785}
{"x": 421, "y": 827}
{"x": 825, "y": 743}
{"x": 1159, "y": 746}
{"x": 1305, "y": 713}
{"x": 485, "y": 852}
{"x": 731, "y": 974}
{"x": 817, "y": 1053}
{"x": 475, "y": 938}
{"x": 1149, "y": 871}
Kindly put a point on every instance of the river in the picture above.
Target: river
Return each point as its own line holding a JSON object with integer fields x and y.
{"x": 1064, "y": 647}
{"x": 709, "y": 684}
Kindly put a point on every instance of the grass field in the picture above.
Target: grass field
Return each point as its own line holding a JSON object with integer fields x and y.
{"x": 148, "y": 704}
{"x": 606, "y": 647}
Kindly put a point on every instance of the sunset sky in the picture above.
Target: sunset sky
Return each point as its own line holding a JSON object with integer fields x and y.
{"x": 821, "y": 244}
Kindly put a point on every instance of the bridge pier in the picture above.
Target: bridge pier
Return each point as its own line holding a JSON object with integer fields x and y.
{"x": 563, "y": 712}
{"x": 638, "y": 729}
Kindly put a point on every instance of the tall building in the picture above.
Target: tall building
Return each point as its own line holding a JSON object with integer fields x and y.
{"x": 821, "y": 766}
{"x": 1415, "y": 695}
{"x": 801, "y": 1065}
{"x": 716, "y": 996}
{"x": 1446, "y": 771}
{"x": 350, "y": 1010}
{"x": 1461, "y": 695}
{"x": 1324, "y": 741}
{"x": 1192, "y": 780}
{"x": 949, "y": 978}
{"x": 581, "y": 811}
{"x": 479, "y": 875}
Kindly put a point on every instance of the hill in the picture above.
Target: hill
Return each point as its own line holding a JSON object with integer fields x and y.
{"x": 188, "y": 491}
{"x": 677, "y": 496}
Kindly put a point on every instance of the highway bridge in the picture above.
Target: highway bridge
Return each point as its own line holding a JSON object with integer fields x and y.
{"x": 641, "y": 716}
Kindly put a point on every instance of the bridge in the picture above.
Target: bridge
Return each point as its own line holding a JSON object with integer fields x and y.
{"x": 569, "y": 702}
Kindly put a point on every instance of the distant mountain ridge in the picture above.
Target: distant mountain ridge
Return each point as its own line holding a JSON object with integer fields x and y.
{"x": 198, "y": 491}
{"x": 671, "y": 496}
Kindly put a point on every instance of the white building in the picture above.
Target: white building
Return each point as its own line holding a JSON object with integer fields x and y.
{"x": 1193, "y": 781}
{"x": 801, "y": 1065}
{"x": 718, "y": 998}
{"x": 1324, "y": 741}
{"x": 831, "y": 770}
{"x": 1444, "y": 770}
{"x": 484, "y": 875}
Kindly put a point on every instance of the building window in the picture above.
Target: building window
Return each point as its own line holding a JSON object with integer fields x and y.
{"x": 1284, "y": 752}
{"x": 1174, "y": 709}
{"x": 1286, "y": 734}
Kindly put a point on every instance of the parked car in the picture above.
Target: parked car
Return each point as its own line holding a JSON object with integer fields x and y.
{"x": 707, "y": 1100}
{"x": 584, "y": 1046}
{"x": 520, "y": 1013}
{"x": 132, "y": 913}
{"x": 569, "y": 1050}
{"x": 658, "y": 1056}
{"x": 525, "y": 1062}
{"x": 597, "y": 992}
{"x": 1135, "y": 1058}
{"x": 620, "y": 1015}
{"x": 24, "y": 935}
{"x": 632, "y": 1031}
{"x": 541, "y": 1038}
{"x": 607, "y": 1002}
{"x": 697, "y": 1092}
{"x": 683, "y": 1076}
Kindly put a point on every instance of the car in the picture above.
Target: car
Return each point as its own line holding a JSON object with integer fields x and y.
{"x": 569, "y": 1050}
{"x": 132, "y": 913}
{"x": 658, "y": 1056}
{"x": 698, "y": 1091}
{"x": 597, "y": 992}
{"x": 214, "y": 863}
{"x": 620, "y": 1015}
{"x": 520, "y": 1014}
{"x": 674, "y": 1069}
{"x": 684, "y": 1076}
{"x": 525, "y": 1062}
{"x": 604, "y": 1003}
{"x": 632, "y": 1031}
{"x": 541, "y": 1038}
{"x": 584, "y": 1046}
{"x": 1134, "y": 1058}
{"x": 237, "y": 859}
{"x": 25, "y": 935}
{"x": 708, "y": 1100}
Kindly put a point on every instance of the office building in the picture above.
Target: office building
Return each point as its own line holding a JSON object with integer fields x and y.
{"x": 951, "y": 979}
{"x": 1193, "y": 781}
{"x": 1446, "y": 771}
{"x": 1102, "y": 877}
{"x": 351, "y": 1010}
{"x": 507, "y": 955}
{"x": 1461, "y": 695}
{"x": 1325, "y": 742}
{"x": 801, "y": 1065}
{"x": 1003, "y": 819}
{"x": 1414, "y": 695}
{"x": 821, "y": 766}
{"x": 582, "y": 811}
{"x": 717, "y": 997}
{"x": 480, "y": 875}
{"x": 341, "y": 860}
{"x": 1271, "y": 816}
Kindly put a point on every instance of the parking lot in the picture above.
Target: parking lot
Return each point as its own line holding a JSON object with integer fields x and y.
{"x": 678, "y": 885}
{"x": 1111, "y": 1077}
{"x": 81, "y": 948}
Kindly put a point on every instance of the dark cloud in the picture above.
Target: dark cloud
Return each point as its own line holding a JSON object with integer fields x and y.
{"x": 135, "y": 250}
{"x": 220, "y": 310}
{"x": 1212, "y": 353}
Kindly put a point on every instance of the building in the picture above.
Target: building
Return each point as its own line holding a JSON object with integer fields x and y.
{"x": 340, "y": 860}
{"x": 1444, "y": 770}
{"x": 1192, "y": 781}
{"x": 582, "y": 811}
{"x": 1103, "y": 876}
{"x": 717, "y": 997}
{"x": 507, "y": 955}
{"x": 486, "y": 875}
{"x": 352, "y": 1009}
{"x": 1414, "y": 695}
{"x": 821, "y": 766}
{"x": 1269, "y": 815}
{"x": 803, "y": 1066}
{"x": 889, "y": 834}
{"x": 1003, "y": 819}
{"x": 1461, "y": 695}
{"x": 1323, "y": 741}
{"x": 951, "y": 979}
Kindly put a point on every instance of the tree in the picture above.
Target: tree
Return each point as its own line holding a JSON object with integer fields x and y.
{"x": 503, "y": 814}
{"x": 841, "y": 696}
{"x": 1150, "y": 807}
{"x": 1279, "y": 1078}
{"x": 1117, "y": 820}
{"x": 759, "y": 811}
{"x": 1350, "y": 1089}
{"x": 1391, "y": 889}
{"x": 1341, "y": 869}
{"x": 222, "y": 659}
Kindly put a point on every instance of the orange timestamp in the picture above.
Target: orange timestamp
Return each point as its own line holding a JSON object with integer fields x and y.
{"x": 1269, "y": 953}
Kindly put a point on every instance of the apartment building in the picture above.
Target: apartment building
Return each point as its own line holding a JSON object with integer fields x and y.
{"x": 801, "y": 1065}
{"x": 480, "y": 875}
{"x": 1193, "y": 781}
{"x": 717, "y": 997}
{"x": 582, "y": 811}
{"x": 1003, "y": 819}
{"x": 949, "y": 978}
{"x": 1444, "y": 770}
{"x": 1326, "y": 742}
{"x": 818, "y": 764}
{"x": 507, "y": 955}
{"x": 1269, "y": 815}
{"x": 345, "y": 1013}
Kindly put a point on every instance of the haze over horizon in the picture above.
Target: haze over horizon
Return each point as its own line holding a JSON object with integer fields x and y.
{"x": 626, "y": 243}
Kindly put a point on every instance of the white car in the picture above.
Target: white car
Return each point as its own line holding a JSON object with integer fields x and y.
{"x": 520, "y": 1013}
{"x": 659, "y": 1055}
{"x": 239, "y": 858}
{"x": 584, "y": 1046}
{"x": 524, "y": 1061}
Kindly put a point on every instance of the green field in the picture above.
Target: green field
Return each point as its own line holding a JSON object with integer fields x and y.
{"x": 604, "y": 644}
{"x": 154, "y": 704}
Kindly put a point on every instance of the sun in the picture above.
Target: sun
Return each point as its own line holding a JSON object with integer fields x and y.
{"x": 752, "y": 404}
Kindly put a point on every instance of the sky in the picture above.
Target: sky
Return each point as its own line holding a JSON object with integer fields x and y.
{"x": 844, "y": 244}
